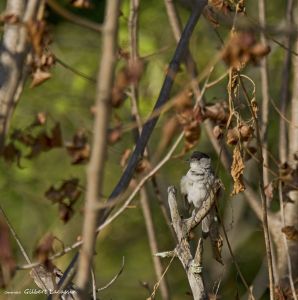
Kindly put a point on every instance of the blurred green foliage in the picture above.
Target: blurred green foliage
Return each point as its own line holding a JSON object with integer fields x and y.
{"x": 67, "y": 98}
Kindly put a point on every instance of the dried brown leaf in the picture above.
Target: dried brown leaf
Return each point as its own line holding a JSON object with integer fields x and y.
{"x": 243, "y": 48}
{"x": 243, "y": 132}
{"x": 269, "y": 190}
{"x": 79, "y": 148}
{"x": 65, "y": 212}
{"x": 81, "y": 3}
{"x": 38, "y": 77}
{"x": 142, "y": 165}
{"x": 237, "y": 170}
{"x": 218, "y": 132}
{"x": 11, "y": 153}
{"x": 217, "y": 244}
{"x": 183, "y": 101}
{"x": 10, "y": 19}
{"x": 291, "y": 233}
{"x": 114, "y": 135}
{"x": 124, "y": 157}
{"x": 66, "y": 196}
{"x": 43, "y": 142}
{"x": 44, "y": 250}
{"x": 217, "y": 112}
{"x": 191, "y": 128}
{"x": 36, "y": 32}
{"x": 211, "y": 16}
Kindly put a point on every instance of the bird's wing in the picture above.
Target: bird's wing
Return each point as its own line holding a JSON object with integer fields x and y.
{"x": 183, "y": 185}
{"x": 184, "y": 191}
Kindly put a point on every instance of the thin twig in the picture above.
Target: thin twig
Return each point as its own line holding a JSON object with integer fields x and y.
{"x": 73, "y": 70}
{"x": 95, "y": 169}
{"x": 134, "y": 60}
{"x": 262, "y": 191}
{"x": 114, "y": 278}
{"x": 265, "y": 92}
{"x": 20, "y": 245}
{"x": 283, "y": 116}
{"x": 93, "y": 284}
{"x": 284, "y": 92}
{"x": 76, "y": 19}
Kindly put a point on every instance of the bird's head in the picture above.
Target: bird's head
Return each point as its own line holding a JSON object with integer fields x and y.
{"x": 199, "y": 160}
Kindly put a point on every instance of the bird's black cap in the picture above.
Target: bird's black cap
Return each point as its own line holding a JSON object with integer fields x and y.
{"x": 198, "y": 155}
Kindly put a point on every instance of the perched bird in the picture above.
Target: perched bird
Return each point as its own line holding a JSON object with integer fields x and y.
{"x": 196, "y": 185}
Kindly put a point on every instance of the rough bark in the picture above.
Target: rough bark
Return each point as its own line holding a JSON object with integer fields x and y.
{"x": 14, "y": 51}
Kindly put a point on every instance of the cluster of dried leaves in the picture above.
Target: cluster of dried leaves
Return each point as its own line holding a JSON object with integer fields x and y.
{"x": 66, "y": 195}
{"x": 42, "y": 60}
{"x": 35, "y": 137}
{"x": 188, "y": 118}
{"x": 130, "y": 73}
{"x": 38, "y": 139}
{"x": 243, "y": 48}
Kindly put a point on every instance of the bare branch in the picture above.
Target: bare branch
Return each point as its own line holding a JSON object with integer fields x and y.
{"x": 96, "y": 165}
{"x": 192, "y": 265}
{"x": 265, "y": 92}
{"x": 285, "y": 93}
{"x": 264, "y": 198}
{"x": 134, "y": 61}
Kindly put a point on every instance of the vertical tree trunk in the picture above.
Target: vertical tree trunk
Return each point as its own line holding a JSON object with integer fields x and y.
{"x": 13, "y": 53}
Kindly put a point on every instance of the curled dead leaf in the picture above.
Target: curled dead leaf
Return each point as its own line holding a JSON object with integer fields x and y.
{"x": 217, "y": 112}
{"x": 66, "y": 196}
{"x": 11, "y": 153}
{"x": 44, "y": 250}
{"x": 79, "y": 148}
{"x": 131, "y": 73}
{"x": 182, "y": 101}
{"x": 191, "y": 128}
{"x": 243, "y": 48}
{"x": 114, "y": 135}
{"x": 243, "y": 132}
{"x": 124, "y": 157}
{"x": 42, "y": 142}
{"x": 291, "y": 233}
{"x": 10, "y": 19}
{"x": 237, "y": 170}
{"x": 143, "y": 165}
{"x": 268, "y": 189}
{"x": 218, "y": 132}
{"x": 38, "y": 77}
{"x": 81, "y": 3}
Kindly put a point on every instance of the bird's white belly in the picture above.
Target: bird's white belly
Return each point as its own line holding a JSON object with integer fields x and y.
{"x": 197, "y": 193}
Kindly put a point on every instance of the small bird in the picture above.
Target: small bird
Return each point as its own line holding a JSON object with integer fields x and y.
{"x": 196, "y": 185}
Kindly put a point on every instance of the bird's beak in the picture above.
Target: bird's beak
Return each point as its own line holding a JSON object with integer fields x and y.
{"x": 187, "y": 160}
